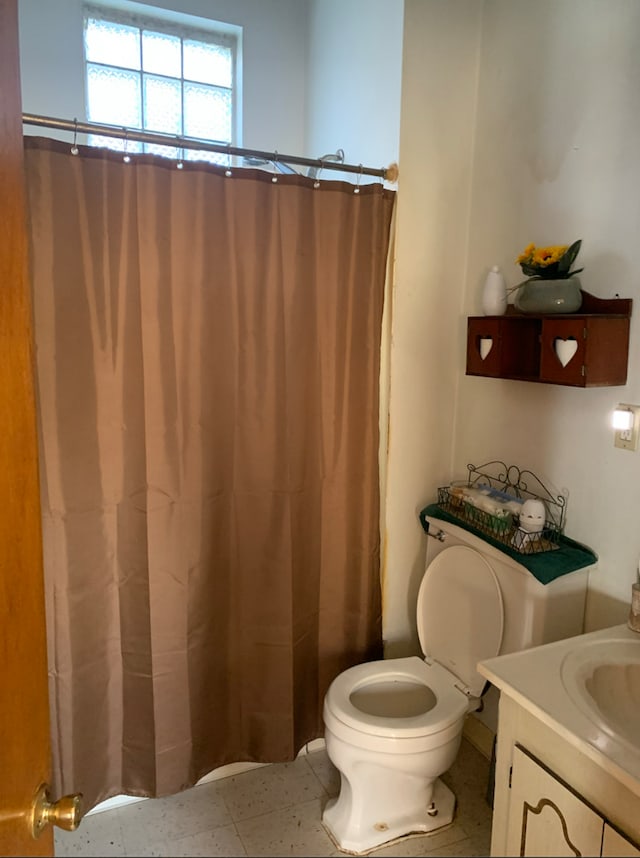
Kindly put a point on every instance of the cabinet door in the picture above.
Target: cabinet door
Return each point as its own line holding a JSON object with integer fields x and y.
{"x": 614, "y": 845}
{"x": 484, "y": 346}
{"x": 562, "y": 351}
{"x": 545, "y": 816}
{"x": 504, "y": 347}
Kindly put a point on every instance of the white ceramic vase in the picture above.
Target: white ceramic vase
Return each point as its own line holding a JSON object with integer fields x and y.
{"x": 494, "y": 294}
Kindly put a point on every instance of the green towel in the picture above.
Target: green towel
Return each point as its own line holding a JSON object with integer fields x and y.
{"x": 546, "y": 566}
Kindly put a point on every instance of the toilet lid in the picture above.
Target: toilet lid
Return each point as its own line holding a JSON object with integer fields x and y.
{"x": 460, "y": 613}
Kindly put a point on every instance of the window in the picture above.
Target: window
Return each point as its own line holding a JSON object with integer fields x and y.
{"x": 158, "y": 76}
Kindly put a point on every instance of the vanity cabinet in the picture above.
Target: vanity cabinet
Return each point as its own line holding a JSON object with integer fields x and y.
{"x": 585, "y": 349}
{"x": 614, "y": 845}
{"x": 548, "y": 817}
{"x": 552, "y": 799}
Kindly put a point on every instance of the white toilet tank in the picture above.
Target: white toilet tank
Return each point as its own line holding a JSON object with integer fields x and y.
{"x": 534, "y": 613}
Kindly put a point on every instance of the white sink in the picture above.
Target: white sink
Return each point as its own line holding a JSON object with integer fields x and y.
{"x": 602, "y": 678}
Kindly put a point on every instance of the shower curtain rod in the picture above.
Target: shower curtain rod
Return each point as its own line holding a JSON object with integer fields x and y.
{"x": 390, "y": 173}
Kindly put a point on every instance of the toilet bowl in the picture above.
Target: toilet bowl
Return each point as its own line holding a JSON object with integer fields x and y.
{"x": 393, "y": 727}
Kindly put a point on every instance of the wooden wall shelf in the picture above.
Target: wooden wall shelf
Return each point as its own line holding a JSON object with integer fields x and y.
{"x": 588, "y": 348}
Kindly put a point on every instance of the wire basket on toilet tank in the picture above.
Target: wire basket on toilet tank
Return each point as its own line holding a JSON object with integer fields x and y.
{"x": 510, "y": 505}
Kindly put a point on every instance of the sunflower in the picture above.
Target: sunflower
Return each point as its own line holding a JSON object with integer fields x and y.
{"x": 553, "y": 262}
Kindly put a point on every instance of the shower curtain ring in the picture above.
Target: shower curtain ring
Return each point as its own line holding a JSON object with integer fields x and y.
{"x": 126, "y": 158}
{"x": 180, "y": 163}
{"x": 356, "y": 190}
{"x": 228, "y": 172}
{"x": 274, "y": 178}
{"x": 74, "y": 145}
{"x": 316, "y": 184}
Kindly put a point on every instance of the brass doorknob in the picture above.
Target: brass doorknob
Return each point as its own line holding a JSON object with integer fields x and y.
{"x": 65, "y": 813}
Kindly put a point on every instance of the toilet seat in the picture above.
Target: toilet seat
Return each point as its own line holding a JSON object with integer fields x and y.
{"x": 372, "y": 698}
{"x": 447, "y": 704}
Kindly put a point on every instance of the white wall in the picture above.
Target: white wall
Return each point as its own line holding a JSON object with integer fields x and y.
{"x": 557, "y": 158}
{"x": 547, "y": 150}
{"x": 354, "y": 74}
{"x": 439, "y": 86}
{"x": 274, "y": 66}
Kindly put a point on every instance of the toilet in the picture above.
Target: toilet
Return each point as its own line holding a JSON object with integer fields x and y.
{"x": 392, "y": 727}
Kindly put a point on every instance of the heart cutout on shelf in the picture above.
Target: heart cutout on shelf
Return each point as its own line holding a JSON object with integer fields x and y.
{"x": 565, "y": 349}
{"x": 485, "y": 345}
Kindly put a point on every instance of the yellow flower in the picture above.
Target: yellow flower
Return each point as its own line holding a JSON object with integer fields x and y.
{"x": 544, "y": 256}
{"x": 551, "y": 263}
{"x": 526, "y": 254}
{"x": 541, "y": 256}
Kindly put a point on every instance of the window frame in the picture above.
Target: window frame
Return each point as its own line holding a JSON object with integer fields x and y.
{"x": 184, "y": 27}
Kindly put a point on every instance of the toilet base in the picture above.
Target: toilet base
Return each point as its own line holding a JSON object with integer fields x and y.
{"x": 381, "y": 833}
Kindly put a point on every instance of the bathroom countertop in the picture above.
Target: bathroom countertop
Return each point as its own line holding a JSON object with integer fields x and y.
{"x": 533, "y": 679}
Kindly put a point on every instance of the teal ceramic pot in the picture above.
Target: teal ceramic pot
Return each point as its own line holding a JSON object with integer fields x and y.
{"x": 549, "y": 296}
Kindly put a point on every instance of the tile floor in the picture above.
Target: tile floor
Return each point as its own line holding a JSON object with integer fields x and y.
{"x": 272, "y": 810}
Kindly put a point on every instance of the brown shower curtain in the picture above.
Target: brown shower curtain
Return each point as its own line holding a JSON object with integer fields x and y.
{"x": 208, "y": 382}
